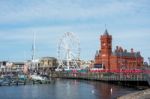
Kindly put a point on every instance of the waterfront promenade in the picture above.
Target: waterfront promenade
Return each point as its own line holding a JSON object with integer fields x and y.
{"x": 145, "y": 94}
{"x": 130, "y": 79}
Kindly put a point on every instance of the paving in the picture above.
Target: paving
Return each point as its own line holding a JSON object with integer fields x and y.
{"x": 145, "y": 94}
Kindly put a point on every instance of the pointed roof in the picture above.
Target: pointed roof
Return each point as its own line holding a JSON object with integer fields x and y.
{"x": 106, "y": 32}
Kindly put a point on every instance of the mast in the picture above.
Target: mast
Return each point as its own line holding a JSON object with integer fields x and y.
{"x": 33, "y": 52}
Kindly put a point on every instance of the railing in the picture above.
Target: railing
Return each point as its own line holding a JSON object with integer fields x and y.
{"x": 102, "y": 76}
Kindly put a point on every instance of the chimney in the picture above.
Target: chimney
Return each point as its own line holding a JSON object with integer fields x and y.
{"x": 125, "y": 50}
{"x": 132, "y": 51}
{"x": 117, "y": 48}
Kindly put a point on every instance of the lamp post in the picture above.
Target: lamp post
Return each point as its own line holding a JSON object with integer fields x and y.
{"x": 120, "y": 63}
{"x": 149, "y": 60}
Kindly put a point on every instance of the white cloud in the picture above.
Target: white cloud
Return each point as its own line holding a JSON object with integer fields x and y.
{"x": 38, "y": 10}
{"x": 20, "y": 19}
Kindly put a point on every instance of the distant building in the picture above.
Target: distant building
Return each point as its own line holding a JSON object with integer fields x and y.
{"x": 118, "y": 59}
{"x": 86, "y": 64}
{"x": 18, "y": 66}
{"x": 48, "y": 62}
{"x": 5, "y": 66}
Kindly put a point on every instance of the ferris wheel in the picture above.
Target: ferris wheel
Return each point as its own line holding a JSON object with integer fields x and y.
{"x": 68, "y": 51}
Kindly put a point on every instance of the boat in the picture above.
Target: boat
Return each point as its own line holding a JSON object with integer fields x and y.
{"x": 37, "y": 77}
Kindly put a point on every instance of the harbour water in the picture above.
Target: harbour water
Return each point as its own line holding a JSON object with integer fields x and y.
{"x": 65, "y": 89}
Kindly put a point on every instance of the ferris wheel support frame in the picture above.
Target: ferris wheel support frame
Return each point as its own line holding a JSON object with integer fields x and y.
{"x": 70, "y": 58}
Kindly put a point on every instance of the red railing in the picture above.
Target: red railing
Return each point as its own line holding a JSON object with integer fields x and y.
{"x": 121, "y": 71}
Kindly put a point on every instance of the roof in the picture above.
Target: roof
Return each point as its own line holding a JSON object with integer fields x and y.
{"x": 18, "y": 63}
{"x": 49, "y": 58}
{"x": 106, "y": 32}
{"x": 127, "y": 54}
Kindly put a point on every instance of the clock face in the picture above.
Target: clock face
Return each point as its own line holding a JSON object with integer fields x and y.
{"x": 103, "y": 55}
{"x": 104, "y": 44}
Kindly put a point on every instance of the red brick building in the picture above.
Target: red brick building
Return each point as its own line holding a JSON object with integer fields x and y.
{"x": 119, "y": 58}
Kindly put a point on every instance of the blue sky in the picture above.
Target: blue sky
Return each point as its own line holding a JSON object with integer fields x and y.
{"x": 128, "y": 21}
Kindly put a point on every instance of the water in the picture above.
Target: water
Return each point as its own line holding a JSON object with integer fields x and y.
{"x": 65, "y": 89}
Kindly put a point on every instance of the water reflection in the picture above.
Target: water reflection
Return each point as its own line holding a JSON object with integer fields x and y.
{"x": 64, "y": 89}
{"x": 109, "y": 91}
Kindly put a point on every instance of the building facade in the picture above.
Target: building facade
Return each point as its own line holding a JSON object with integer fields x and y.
{"x": 18, "y": 66}
{"x": 48, "y": 62}
{"x": 119, "y": 58}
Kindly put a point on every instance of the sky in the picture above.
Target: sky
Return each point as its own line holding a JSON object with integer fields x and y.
{"x": 128, "y": 21}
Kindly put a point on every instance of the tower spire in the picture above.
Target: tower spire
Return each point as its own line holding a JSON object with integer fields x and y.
{"x": 105, "y": 27}
{"x": 106, "y": 32}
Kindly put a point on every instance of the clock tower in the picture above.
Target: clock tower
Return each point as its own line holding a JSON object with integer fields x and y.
{"x": 118, "y": 59}
{"x": 106, "y": 49}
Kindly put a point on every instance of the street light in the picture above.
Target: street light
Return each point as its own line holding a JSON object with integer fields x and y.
{"x": 149, "y": 60}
